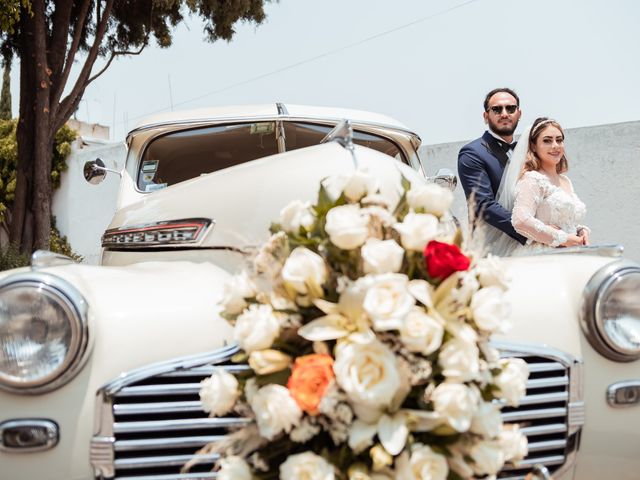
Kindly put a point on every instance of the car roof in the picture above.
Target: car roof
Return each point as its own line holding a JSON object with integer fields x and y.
{"x": 273, "y": 110}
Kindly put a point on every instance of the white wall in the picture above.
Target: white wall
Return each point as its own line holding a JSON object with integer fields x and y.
{"x": 604, "y": 164}
{"x": 83, "y": 211}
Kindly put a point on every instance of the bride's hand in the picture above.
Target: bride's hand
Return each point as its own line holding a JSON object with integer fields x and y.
{"x": 573, "y": 241}
{"x": 584, "y": 234}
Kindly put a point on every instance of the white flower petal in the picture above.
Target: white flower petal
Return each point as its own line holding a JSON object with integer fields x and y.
{"x": 329, "y": 327}
{"x": 393, "y": 432}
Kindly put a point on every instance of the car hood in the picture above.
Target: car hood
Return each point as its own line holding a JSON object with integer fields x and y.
{"x": 243, "y": 200}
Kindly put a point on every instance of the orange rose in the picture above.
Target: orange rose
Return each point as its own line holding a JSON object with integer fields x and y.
{"x": 310, "y": 377}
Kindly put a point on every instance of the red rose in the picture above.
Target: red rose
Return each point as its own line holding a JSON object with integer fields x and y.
{"x": 442, "y": 259}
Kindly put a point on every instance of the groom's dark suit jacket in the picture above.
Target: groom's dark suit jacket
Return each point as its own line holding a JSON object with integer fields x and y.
{"x": 480, "y": 167}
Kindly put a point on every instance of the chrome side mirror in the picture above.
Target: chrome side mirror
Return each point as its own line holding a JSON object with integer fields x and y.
{"x": 96, "y": 171}
{"x": 445, "y": 178}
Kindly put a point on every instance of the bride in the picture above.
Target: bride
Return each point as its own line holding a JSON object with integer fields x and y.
{"x": 545, "y": 209}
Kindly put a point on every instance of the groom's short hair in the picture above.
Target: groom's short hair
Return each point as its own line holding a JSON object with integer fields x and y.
{"x": 499, "y": 90}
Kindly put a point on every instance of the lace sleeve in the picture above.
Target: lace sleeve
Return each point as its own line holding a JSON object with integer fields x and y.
{"x": 579, "y": 227}
{"x": 529, "y": 193}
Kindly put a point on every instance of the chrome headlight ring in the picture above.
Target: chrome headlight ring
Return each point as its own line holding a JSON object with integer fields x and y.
{"x": 44, "y": 332}
{"x": 610, "y": 316}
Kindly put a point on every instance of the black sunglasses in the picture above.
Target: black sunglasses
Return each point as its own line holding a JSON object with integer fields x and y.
{"x": 511, "y": 109}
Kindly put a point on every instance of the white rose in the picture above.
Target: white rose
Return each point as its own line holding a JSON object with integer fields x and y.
{"x": 491, "y": 272}
{"x": 307, "y": 466}
{"x": 219, "y": 392}
{"x": 382, "y": 256}
{"x": 456, "y": 403}
{"x": 264, "y": 362}
{"x": 431, "y": 198}
{"x": 234, "y": 468}
{"x": 459, "y": 360}
{"x": 487, "y": 421}
{"x": 359, "y": 185}
{"x": 295, "y": 215}
{"x": 304, "y": 272}
{"x": 256, "y": 328}
{"x": 275, "y": 410}
{"x": 424, "y": 464}
{"x": 388, "y": 301}
{"x": 347, "y": 226}
{"x": 513, "y": 443}
{"x": 367, "y": 372}
{"x": 421, "y": 333}
{"x": 490, "y": 310}
{"x": 512, "y": 381}
{"x": 236, "y": 289}
{"x": 487, "y": 456}
{"x": 416, "y": 230}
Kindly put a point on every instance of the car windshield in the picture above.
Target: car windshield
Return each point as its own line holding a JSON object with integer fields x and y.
{"x": 180, "y": 156}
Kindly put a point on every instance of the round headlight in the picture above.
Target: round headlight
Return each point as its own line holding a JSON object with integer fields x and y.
{"x": 611, "y": 315}
{"x": 43, "y": 332}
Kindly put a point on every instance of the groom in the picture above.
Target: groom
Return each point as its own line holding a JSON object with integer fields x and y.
{"x": 482, "y": 162}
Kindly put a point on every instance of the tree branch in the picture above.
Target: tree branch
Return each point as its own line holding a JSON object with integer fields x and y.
{"x": 75, "y": 43}
{"x": 71, "y": 101}
{"x": 114, "y": 54}
{"x": 59, "y": 33}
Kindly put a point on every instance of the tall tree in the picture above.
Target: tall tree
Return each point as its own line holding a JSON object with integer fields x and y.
{"x": 5, "y": 94}
{"x": 49, "y": 36}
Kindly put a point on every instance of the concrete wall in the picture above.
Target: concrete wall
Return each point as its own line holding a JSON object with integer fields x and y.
{"x": 604, "y": 164}
{"x": 83, "y": 211}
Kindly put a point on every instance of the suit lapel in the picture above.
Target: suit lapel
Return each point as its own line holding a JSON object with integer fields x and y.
{"x": 491, "y": 144}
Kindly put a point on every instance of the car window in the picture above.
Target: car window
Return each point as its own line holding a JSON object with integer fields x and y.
{"x": 302, "y": 134}
{"x": 180, "y": 156}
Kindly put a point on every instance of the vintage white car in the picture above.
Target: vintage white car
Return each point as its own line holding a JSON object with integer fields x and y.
{"x": 100, "y": 366}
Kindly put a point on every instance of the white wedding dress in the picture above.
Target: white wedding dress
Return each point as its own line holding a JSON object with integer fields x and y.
{"x": 539, "y": 207}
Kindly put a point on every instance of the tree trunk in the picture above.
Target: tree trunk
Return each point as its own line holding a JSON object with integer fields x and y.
{"x": 31, "y": 215}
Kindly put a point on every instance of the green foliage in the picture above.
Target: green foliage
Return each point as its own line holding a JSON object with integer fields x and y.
{"x": 58, "y": 243}
{"x": 8, "y": 161}
{"x": 5, "y": 95}
{"x": 10, "y": 14}
{"x": 10, "y": 257}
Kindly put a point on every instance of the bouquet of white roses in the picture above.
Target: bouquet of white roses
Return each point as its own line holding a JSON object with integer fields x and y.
{"x": 367, "y": 329}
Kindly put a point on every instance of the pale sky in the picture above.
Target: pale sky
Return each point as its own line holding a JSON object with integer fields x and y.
{"x": 427, "y": 63}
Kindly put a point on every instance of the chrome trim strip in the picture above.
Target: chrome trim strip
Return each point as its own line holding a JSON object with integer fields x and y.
{"x": 182, "y": 363}
{"x": 168, "y": 461}
{"x": 544, "y": 398}
{"x": 172, "y": 425}
{"x": 48, "y": 426}
{"x": 544, "y": 429}
{"x": 176, "y": 476}
{"x": 81, "y": 341}
{"x": 629, "y": 400}
{"x": 101, "y": 456}
{"x": 546, "y": 445}
{"x": 162, "y": 443}
{"x": 541, "y": 413}
{"x": 546, "y": 367}
{"x": 613, "y": 250}
{"x": 154, "y": 408}
{"x": 590, "y": 320}
{"x": 529, "y": 463}
{"x": 171, "y": 389}
{"x": 205, "y": 370}
{"x": 548, "y": 382}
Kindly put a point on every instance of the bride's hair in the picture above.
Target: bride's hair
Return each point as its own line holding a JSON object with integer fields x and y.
{"x": 532, "y": 161}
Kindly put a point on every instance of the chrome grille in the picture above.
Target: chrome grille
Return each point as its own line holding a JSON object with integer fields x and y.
{"x": 154, "y": 420}
{"x": 553, "y": 397}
